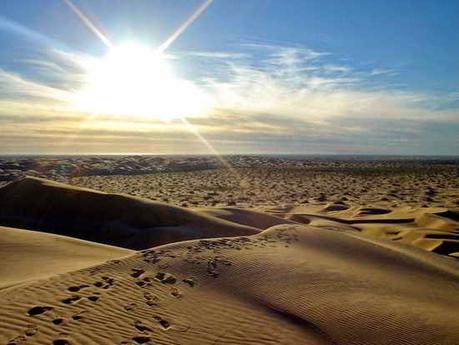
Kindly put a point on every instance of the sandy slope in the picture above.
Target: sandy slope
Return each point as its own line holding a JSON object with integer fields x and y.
{"x": 290, "y": 284}
{"x": 431, "y": 228}
{"x": 114, "y": 219}
{"x": 28, "y": 255}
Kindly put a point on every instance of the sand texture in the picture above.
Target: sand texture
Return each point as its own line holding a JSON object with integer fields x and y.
{"x": 325, "y": 272}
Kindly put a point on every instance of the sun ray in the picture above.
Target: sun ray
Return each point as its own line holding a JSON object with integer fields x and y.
{"x": 89, "y": 24}
{"x": 206, "y": 143}
{"x": 182, "y": 28}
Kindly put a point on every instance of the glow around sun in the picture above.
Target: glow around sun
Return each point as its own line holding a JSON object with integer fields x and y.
{"x": 135, "y": 80}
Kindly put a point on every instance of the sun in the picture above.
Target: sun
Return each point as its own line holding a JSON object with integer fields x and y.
{"x": 136, "y": 80}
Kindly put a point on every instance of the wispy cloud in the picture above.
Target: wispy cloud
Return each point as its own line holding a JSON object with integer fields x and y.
{"x": 217, "y": 55}
{"x": 265, "y": 98}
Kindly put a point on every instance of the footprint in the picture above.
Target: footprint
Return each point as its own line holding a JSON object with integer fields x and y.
{"x": 31, "y": 331}
{"x": 71, "y": 300}
{"x": 93, "y": 298}
{"x": 130, "y": 306}
{"x": 189, "y": 281}
{"x": 77, "y": 317}
{"x": 58, "y": 321}
{"x": 37, "y": 310}
{"x": 106, "y": 284}
{"x": 18, "y": 340}
{"x": 141, "y": 283}
{"x": 141, "y": 327}
{"x": 176, "y": 293}
{"x": 141, "y": 339}
{"x": 164, "y": 323}
{"x": 61, "y": 342}
{"x": 137, "y": 272}
{"x": 98, "y": 284}
{"x": 77, "y": 288}
{"x": 165, "y": 278}
{"x": 109, "y": 281}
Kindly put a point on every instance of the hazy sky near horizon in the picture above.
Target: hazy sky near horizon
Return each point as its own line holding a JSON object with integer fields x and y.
{"x": 248, "y": 76}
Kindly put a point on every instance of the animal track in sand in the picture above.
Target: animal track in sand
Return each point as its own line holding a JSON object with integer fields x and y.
{"x": 61, "y": 342}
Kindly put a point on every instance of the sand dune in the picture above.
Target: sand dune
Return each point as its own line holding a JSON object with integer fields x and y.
{"x": 291, "y": 284}
{"x": 114, "y": 219}
{"x": 309, "y": 274}
{"x": 29, "y": 255}
{"x": 431, "y": 228}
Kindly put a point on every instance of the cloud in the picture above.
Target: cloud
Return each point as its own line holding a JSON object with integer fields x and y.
{"x": 217, "y": 55}
{"x": 296, "y": 83}
{"x": 266, "y": 98}
{"x": 14, "y": 86}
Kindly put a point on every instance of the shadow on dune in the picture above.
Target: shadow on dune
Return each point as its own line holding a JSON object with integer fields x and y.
{"x": 114, "y": 219}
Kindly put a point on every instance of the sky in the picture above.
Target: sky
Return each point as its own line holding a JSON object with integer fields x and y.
{"x": 229, "y": 76}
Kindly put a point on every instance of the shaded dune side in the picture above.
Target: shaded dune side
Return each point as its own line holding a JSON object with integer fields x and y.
{"x": 28, "y": 255}
{"x": 430, "y": 228}
{"x": 290, "y": 284}
{"x": 114, "y": 219}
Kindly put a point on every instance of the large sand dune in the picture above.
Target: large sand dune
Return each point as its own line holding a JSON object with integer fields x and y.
{"x": 114, "y": 219}
{"x": 290, "y": 284}
{"x": 320, "y": 274}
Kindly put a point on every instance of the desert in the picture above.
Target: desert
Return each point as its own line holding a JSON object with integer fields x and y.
{"x": 223, "y": 172}
{"x": 314, "y": 252}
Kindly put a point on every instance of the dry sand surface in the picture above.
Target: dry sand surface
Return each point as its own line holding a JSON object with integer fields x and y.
{"x": 258, "y": 187}
{"x": 289, "y": 256}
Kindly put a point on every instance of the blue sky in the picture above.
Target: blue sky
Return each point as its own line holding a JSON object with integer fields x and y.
{"x": 279, "y": 76}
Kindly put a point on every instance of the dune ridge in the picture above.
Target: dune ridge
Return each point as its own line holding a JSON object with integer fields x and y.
{"x": 114, "y": 219}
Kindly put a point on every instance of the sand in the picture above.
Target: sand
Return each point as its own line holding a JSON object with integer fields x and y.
{"x": 101, "y": 268}
{"x": 29, "y": 255}
{"x": 380, "y": 186}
